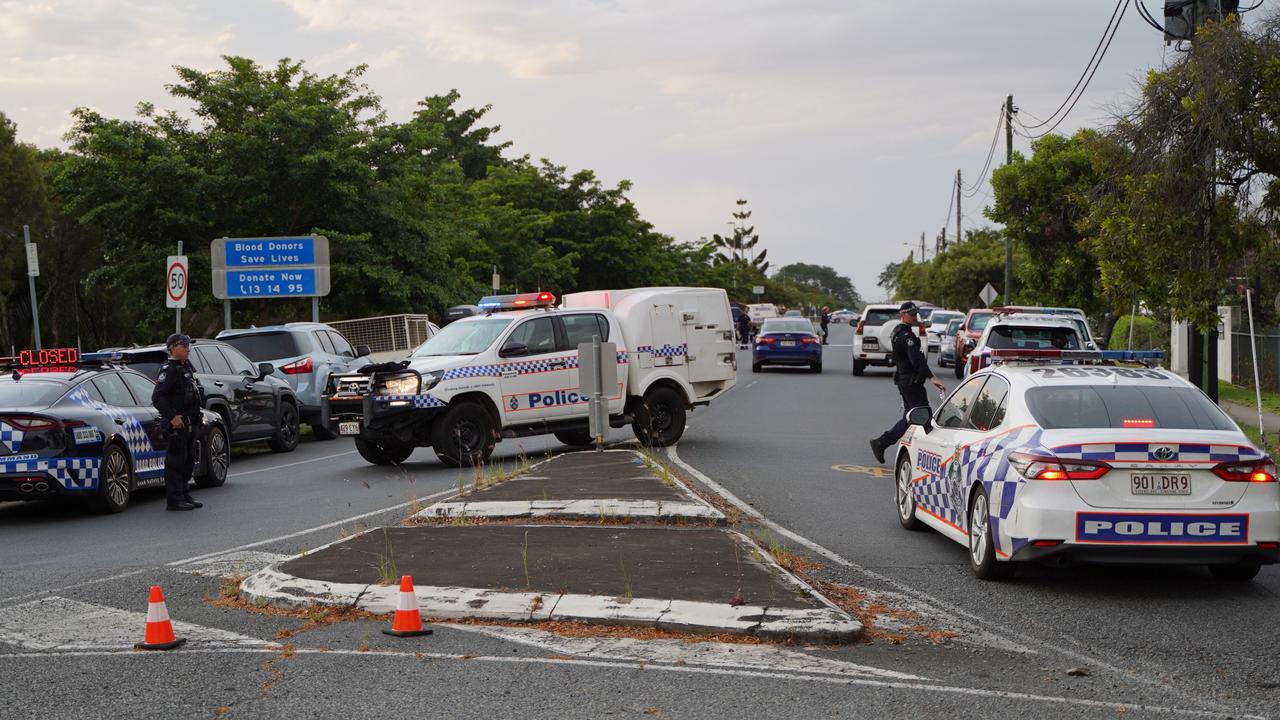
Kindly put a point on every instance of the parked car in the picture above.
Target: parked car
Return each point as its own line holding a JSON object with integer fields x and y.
{"x": 872, "y": 338}
{"x": 253, "y": 403}
{"x": 304, "y": 355}
{"x": 787, "y": 341}
{"x": 843, "y": 316}
{"x": 760, "y": 312}
{"x": 970, "y": 331}
{"x": 938, "y": 321}
{"x": 947, "y": 346}
{"x": 1076, "y": 314}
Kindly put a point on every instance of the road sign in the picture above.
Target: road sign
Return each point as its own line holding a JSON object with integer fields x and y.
{"x": 33, "y": 261}
{"x": 757, "y": 290}
{"x": 598, "y": 380}
{"x": 987, "y": 295}
{"x": 270, "y": 267}
{"x": 176, "y": 275}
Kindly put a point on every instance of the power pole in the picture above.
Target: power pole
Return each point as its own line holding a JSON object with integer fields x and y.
{"x": 942, "y": 239}
{"x": 1008, "y": 242}
{"x": 959, "y": 237}
{"x": 921, "y": 247}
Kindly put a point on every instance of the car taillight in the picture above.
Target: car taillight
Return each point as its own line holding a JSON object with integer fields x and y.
{"x": 1259, "y": 471}
{"x": 766, "y": 340}
{"x": 28, "y": 423}
{"x": 808, "y": 340}
{"x": 1039, "y": 467}
{"x": 924, "y": 331}
{"x": 301, "y": 367}
{"x": 859, "y": 330}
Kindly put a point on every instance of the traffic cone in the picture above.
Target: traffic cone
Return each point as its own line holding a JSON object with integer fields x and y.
{"x": 408, "y": 619}
{"x": 159, "y": 634}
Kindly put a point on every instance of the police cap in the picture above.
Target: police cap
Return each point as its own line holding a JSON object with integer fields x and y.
{"x": 909, "y": 307}
{"x": 177, "y": 339}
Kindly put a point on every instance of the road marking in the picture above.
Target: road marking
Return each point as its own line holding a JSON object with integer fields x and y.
{"x": 939, "y": 607}
{"x": 751, "y": 384}
{"x": 1113, "y": 706}
{"x": 875, "y": 472}
{"x": 242, "y": 473}
{"x": 58, "y": 623}
{"x": 762, "y": 657}
{"x": 233, "y": 564}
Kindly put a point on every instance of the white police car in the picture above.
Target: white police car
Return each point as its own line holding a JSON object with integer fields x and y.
{"x": 1024, "y": 331}
{"x": 1033, "y": 460}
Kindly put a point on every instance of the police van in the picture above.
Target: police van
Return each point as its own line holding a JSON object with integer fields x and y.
{"x": 512, "y": 371}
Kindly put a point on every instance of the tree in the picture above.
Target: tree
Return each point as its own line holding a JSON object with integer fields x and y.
{"x": 823, "y": 279}
{"x": 888, "y": 278}
{"x": 740, "y": 247}
{"x": 23, "y": 201}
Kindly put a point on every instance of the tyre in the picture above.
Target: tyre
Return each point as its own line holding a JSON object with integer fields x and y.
{"x": 982, "y": 547}
{"x": 576, "y": 438}
{"x": 858, "y": 367}
{"x": 756, "y": 367}
{"x": 382, "y": 454}
{"x": 660, "y": 418}
{"x": 816, "y": 367}
{"x": 1237, "y": 572}
{"x": 959, "y": 370}
{"x": 319, "y": 432}
{"x": 905, "y": 496}
{"x": 216, "y": 453}
{"x": 116, "y": 478}
{"x": 464, "y": 435}
{"x": 286, "y": 437}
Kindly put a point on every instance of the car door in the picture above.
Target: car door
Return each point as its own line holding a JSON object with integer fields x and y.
{"x": 535, "y": 382}
{"x": 936, "y": 474}
{"x": 260, "y": 394}
{"x": 217, "y": 373}
{"x": 580, "y": 328}
{"x": 140, "y": 423}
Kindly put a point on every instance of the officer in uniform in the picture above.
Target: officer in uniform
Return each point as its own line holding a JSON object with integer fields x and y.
{"x": 910, "y": 370}
{"x": 177, "y": 397}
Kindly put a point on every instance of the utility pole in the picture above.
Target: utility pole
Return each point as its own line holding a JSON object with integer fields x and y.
{"x": 921, "y": 259}
{"x": 959, "y": 236}
{"x": 942, "y": 239}
{"x": 1008, "y": 242}
{"x": 33, "y": 269}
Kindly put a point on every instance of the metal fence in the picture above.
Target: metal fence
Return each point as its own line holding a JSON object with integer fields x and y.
{"x": 1268, "y": 358}
{"x": 386, "y": 334}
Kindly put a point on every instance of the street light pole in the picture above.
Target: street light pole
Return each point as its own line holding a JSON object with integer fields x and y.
{"x": 1008, "y": 242}
{"x": 31, "y": 283}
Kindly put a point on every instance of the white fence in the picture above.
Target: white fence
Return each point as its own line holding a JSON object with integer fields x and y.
{"x": 389, "y": 337}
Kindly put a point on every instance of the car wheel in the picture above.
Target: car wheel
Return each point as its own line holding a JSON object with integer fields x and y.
{"x": 576, "y": 438}
{"x": 463, "y": 436}
{"x": 382, "y": 454}
{"x": 756, "y": 367}
{"x": 217, "y": 458}
{"x": 858, "y": 367}
{"x": 982, "y": 547}
{"x": 816, "y": 367}
{"x": 959, "y": 370}
{"x": 116, "y": 478}
{"x": 286, "y": 437}
{"x": 660, "y": 418}
{"x": 319, "y": 432}
{"x": 905, "y": 496}
{"x": 1237, "y": 572}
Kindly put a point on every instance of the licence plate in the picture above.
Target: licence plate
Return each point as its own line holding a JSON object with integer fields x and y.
{"x": 788, "y": 343}
{"x": 349, "y": 428}
{"x": 1160, "y": 483}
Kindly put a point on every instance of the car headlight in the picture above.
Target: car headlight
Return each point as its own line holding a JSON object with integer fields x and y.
{"x": 400, "y": 385}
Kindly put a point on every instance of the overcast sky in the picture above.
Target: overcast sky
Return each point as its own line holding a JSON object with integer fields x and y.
{"x": 841, "y": 121}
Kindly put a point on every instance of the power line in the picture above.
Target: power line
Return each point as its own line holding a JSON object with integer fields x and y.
{"x": 971, "y": 190}
{"x": 1147, "y": 16}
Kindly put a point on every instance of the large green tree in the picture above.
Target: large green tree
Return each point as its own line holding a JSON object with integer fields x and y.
{"x": 823, "y": 279}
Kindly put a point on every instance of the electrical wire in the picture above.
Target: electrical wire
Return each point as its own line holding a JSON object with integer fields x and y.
{"x": 1123, "y": 7}
{"x": 1107, "y": 34}
{"x": 1254, "y": 6}
{"x": 1147, "y": 16}
{"x": 971, "y": 190}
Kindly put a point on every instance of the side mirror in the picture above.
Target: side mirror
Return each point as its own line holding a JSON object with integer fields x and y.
{"x": 362, "y": 351}
{"x": 1090, "y": 345}
{"x": 265, "y": 369}
{"x": 970, "y": 344}
{"x": 513, "y": 349}
{"x": 921, "y": 416}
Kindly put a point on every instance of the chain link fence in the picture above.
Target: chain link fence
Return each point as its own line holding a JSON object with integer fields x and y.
{"x": 1268, "y": 358}
{"x": 399, "y": 334}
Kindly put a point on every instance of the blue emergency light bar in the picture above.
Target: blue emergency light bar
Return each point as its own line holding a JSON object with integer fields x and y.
{"x": 523, "y": 301}
{"x": 102, "y": 357}
{"x": 1133, "y": 355}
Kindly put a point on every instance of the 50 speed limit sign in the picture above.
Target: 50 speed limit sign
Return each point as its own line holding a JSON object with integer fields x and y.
{"x": 175, "y": 281}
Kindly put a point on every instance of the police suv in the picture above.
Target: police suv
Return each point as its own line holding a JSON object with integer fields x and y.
{"x": 1034, "y": 460}
{"x": 1024, "y": 331}
{"x": 513, "y": 371}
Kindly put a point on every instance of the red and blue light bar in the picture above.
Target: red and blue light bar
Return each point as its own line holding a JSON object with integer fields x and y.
{"x": 523, "y": 301}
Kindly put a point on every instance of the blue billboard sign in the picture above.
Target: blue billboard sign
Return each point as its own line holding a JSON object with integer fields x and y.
{"x": 270, "y": 267}
{"x": 271, "y": 283}
{"x": 271, "y": 252}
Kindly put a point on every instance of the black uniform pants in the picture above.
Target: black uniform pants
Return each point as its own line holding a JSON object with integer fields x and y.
{"x": 179, "y": 463}
{"x": 913, "y": 396}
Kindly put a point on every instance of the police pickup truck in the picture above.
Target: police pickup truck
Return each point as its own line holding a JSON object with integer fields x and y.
{"x": 512, "y": 371}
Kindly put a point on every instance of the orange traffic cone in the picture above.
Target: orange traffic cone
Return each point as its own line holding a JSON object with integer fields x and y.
{"x": 408, "y": 619}
{"x": 159, "y": 635}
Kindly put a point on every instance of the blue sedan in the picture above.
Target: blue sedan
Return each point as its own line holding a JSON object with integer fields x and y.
{"x": 787, "y": 341}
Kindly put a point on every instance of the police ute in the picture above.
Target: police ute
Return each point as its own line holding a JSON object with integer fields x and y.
{"x": 1096, "y": 461}
{"x": 512, "y": 371}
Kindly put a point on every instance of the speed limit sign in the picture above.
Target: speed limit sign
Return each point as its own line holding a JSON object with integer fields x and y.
{"x": 176, "y": 281}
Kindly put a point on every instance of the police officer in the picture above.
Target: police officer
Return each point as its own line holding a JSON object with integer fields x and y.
{"x": 177, "y": 397}
{"x": 910, "y": 370}
{"x": 825, "y": 322}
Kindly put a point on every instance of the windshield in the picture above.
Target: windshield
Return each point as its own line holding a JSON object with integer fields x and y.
{"x": 266, "y": 346}
{"x": 979, "y": 322}
{"x": 786, "y": 326}
{"x": 943, "y": 318}
{"x": 880, "y": 317}
{"x": 1121, "y": 406}
{"x": 28, "y": 392}
{"x": 1022, "y": 337}
{"x": 464, "y": 337}
{"x": 953, "y": 327}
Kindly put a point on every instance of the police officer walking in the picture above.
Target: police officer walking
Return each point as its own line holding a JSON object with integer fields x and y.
{"x": 910, "y": 370}
{"x": 177, "y": 397}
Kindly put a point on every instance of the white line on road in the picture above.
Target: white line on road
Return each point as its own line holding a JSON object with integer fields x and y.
{"x": 292, "y": 464}
{"x": 169, "y": 658}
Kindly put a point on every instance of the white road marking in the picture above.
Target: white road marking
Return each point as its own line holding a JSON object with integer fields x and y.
{"x": 936, "y": 605}
{"x": 762, "y": 657}
{"x": 58, "y": 623}
{"x": 75, "y": 586}
{"x": 750, "y": 384}
{"x": 292, "y": 464}
{"x": 245, "y": 562}
{"x": 1111, "y": 706}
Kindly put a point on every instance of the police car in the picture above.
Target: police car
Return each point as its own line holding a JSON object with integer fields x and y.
{"x": 1024, "y": 331}
{"x": 1031, "y": 460}
{"x": 82, "y": 427}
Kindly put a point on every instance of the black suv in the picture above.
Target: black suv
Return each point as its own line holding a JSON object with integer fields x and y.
{"x": 253, "y": 403}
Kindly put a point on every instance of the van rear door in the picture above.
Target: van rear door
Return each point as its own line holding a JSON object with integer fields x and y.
{"x": 669, "y": 346}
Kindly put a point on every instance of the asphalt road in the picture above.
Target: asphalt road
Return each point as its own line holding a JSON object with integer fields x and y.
{"x": 1155, "y": 642}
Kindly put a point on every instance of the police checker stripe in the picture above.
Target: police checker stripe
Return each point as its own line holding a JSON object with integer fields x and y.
{"x": 523, "y": 367}
{"x": 417, "y": 401}
{"x": 1162, "y": 528}
{"x": 11, "y": 437}
{"x": 665, "y": 351}
{"x": 1157, "y": 452}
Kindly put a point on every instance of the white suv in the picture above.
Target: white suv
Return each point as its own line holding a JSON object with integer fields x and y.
{"x": 872, "y": 344}
{"x": 1018, "y": 331}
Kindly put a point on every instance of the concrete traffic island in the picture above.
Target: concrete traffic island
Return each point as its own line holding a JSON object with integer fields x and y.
{"x": 691, "y": 579}
{"x": 612, "y": 484}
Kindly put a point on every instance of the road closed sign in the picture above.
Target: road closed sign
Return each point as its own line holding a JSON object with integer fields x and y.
{"x": 176, "y": 276}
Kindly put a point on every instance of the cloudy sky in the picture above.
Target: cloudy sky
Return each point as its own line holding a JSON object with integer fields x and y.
{"x": 841, "y": 121}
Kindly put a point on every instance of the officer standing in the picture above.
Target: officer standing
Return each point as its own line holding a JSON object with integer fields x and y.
{"x": 825, "y": 322}
{"x": 910, "y": 370}
{"x": 177, "y": 397}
